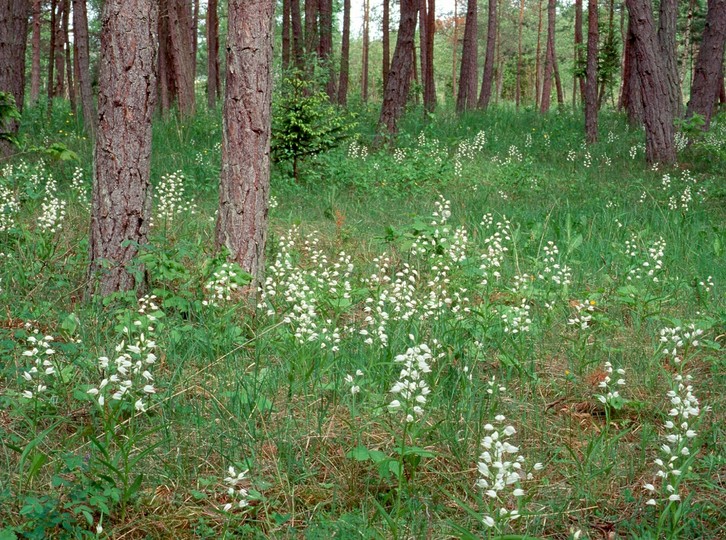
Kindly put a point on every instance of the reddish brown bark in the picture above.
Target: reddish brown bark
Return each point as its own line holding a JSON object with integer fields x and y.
{"x": 429, "y": 84}
{"x": 422, "y": 29}
{"x": 386, "y": 37}
{"x": 667, "y": 27}
{"x": 213, "y": 79}
{"x": 466, "y": 96}
{"x": 51, "y": 53}
{"x": 80, "y": 43}
{"x": 286, "y": 20}
{"x": 121, "y": 196}
{"x": 13, "y": 33}
{"x": 344, "y": 56}
{"x": 59, "y": 53}
{"x": 70, "y": 87}
{"x": 657, "y": 113}
{"x": 578, "y": 48}
{"x": 537, "y": 55}
{"x": 245, "y": 177}
{"x": 366, "y": 46}
{"x": 298, "y": 43}
{"x": 631, "y": 99}
{"x": 518, "y": 82}
{"x": 487, "y": 77}
{"x": 311, "y": 26}
{"x": 399, "y": 77}
{"x": 549, "y": 58}
{"x": 325, "y": 50}
{"x": 709, "y": 63}
{"x": 176, "y": 56}
{"x": 35, "y": 69}
{"x": 591, "y": 76}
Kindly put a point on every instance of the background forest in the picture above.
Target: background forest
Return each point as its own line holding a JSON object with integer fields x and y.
{"x": 333, "y": 269}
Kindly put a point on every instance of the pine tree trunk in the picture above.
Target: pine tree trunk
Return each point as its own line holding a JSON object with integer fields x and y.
{"x": 59, "y": 54}
{"x": 558, "y": 81}
{"x": 399, "y": 77}
{"x": 181, "y": 60}
{"x": 667, "y": 27}
{"x": 518, "y": 82}
{"x": 428, "y": 75}
{"x": 245, "y": 177}
{"x": 213, "y": 82}
{"x": 549, "y": 58}
{"x": 311, "y": 26}
{"x": 686, "y": 41}
{"x": 195, "y": 38}
{"x": 631, "y": 95}
{"x": 80, "y": 42}
{"x": 422, "y": 29}
{"x": 13, "y": 34}
{"x": 591, "y": 76}
{"x": 35, "y": 69}
{"x": 344, "y": 56}
{"x": 366, "y": 45}
{"x": 578, "y": 49}
{"x": 454, "y": 48}
{"x": 468, "y": 77}
{"x": 121, "y": 197}
{"x": 298, "y": 43}
{"x": 708, "y": 73}
{"x": 70, "y": 88}
{"x": 326, "y": 45}
{"x": 486, "y": 81}
{"x": 286, "y": 5}
{"x": 537, "y": 55}
{"x": 657, "y": 113}
{"x": 51, "y": 54}
{"x": 386, "y": 31}
{"x": 163, "y": 77}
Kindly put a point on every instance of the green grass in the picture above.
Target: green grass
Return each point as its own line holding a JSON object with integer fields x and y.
{"x": 235, "y": 386}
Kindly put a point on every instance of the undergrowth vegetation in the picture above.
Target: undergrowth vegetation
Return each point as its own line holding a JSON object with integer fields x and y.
{"x": 490, "y": 330}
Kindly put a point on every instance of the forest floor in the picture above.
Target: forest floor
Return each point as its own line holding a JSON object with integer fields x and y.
{"x": 491, "y": 330}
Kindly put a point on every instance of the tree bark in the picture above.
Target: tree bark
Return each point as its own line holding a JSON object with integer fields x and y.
{"x": 709, "y": 63}
{"x": 181, "y": 55}
{"x": 591, "y": 76}
{"x": 549, "y": 58}
{"x": 326, "y": 45}
{"x": 686, "y": 41}
{"x": 518, "y": 82}
{"x": 657, "y": 113}
{"x": 399, "y": 77}
{"x": 13, "y": 34}
{"x": 366, "y": 45}
{"x": 70, "y": 87}
{"x": 466, "y": 97}
{"x": 537, "y": 55}
{"x": 195, "y": 38}
{"x": 428, "y": 75}
{"x": 486, "y": 82}
{"x": 213, "y": 82}
{"x": 286, "y": 5}
{"x": 311, "y": 26}
{"x": 80, "y": 42}
{"x": 422, "y": 29}
{"x": 386, "y": 31}
{"x": 127, "y": 91}
{"x": 59, "y": 53}
{"x": 344, "y": 56}
{"x": 35, "y": 70}
{"x": 667, "y": 27}
{"x": 631, "y": 95}
{"x": 298, "y": 43}
{"x": 558, "y": 81}
{"x": 578, "y": 49}
{"x": 454, "y": 49}
{"x": 51, "y": 54}
{"x": 245, "y": 177}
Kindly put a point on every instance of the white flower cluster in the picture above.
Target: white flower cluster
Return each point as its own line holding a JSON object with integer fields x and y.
{"x": 357, "y": 151}
{"x": 501, "y": 470}
{"x": 582, "y": 315}
{"x": 43, "y": 369}
{"x": 646, "y": 265}
{"x": 53, "y": 209}
{"x": 172, "y": 201}
{"x": 411, "y": 386}
{"x": 9, "y": 208}
{"x": 496, "y": 246}
{"x": 79, "y": 188}
{"x": 351, "y": 380}
{"x": 516, "y": 319}
{"x": 468, "y": 149}
{"x": 222, "y": 285}
{"x": 677, "y": 342}
{"x": 675, "y": 451}
{"x": 127, "y": 377}
{"x": 235, "y": 488}
{"x": 554, "y": 271}
{"x": 399, "y": 155}
{"x": 610, "y": 387}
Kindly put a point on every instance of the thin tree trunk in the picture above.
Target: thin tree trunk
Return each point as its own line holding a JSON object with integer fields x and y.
{"x": 578, "y": 49}
{"x": 181, "y": 59}
{"x": 70, "y": 88}
{"x": 326, "y": 45}
{"x": 344, "y": 56}
{"x": 386, "y": 31}
{"x": 558, "y": 81}
{"x": 80, "y": 42}
{"x": 657, "y": 113}
{"x": 518, "y": 89}
{"x": 454, "y": 49}
{"x": 213, "y": 82}
{"x": 667, "y": 27}
{"x": 245, "y": 177}
{"x": 609, "y": 41}
{"x": 311, "y": 26}
{"x": 686, "y": 41}
{"x": 499, "y": 75}
{"x": 59, "y": 54}
{"x": 486, "y": 81}
{"x": 121, "y": 196}
{"x": 163, "y": 77}
{"x": 399, "y": 77}
{"x": 35, "y": 70}
{"x": 549, "y": 58}
{"x": 195, "y": 39}
{"x": 286, "y": 5}
{"x": 366, "y": 44}
{"x": 428, "y": 76}
{"x": 466, "y": 97}
{"x": 709, "y": 63}
{"x": 51, "y": 54}
{"x": 422, "y": 29}
{"x": 298, "y": 43}
{"x": 538, "y": 54}
{"x": 591, "y": 77}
